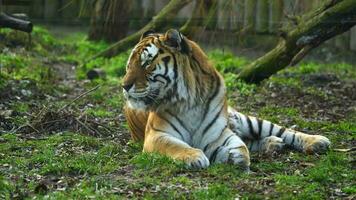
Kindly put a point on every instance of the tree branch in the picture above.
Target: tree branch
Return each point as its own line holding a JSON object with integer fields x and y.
{"x": 161, "y": 19}
{"x": 333, "y": 18}
{"x": 7, "y": 21}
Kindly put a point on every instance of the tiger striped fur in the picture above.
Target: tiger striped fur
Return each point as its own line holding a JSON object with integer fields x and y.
{"x": 176, "y": 104}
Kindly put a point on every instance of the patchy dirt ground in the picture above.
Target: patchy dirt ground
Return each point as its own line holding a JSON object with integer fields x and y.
{"x": 62, "y": 136}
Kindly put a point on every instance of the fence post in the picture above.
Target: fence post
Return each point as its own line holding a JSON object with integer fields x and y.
{"x": 239, "y": 9}
{"x": 342, "y": 41}
{"x": 262, "y": 16}
{"x": 36, "y": 9}
{"x": 69, "y": 10}
{"x": 275, "y": 15}
{"x": 222, "y": 15}
{"x": 353, "y": 39}
{"x": 51, "y": 10}
{"x": 249, "y": 16}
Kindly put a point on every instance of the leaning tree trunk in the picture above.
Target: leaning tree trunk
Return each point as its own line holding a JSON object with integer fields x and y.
{"x": 110, "y": 20}
{"x": 7, "y": 21}
{"x": 202, "y": 14}
{"x": 164, "y": 17}
{"x": 333, "y": 18}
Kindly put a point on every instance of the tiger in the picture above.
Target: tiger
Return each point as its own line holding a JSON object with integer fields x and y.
{"x": 176, "y": 105}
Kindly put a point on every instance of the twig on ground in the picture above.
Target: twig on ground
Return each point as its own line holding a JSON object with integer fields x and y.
{"x": 78, "y": 97}
{"x": 345, "y": 150}
{"x": 91, "y": 130}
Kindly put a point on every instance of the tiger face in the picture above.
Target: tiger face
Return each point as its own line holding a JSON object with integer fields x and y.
{"x": 152, "y": 70}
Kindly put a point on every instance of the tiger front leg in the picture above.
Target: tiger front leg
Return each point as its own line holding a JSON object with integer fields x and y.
{"x": 229, "y": 148}
{"x": 165, "y": 144}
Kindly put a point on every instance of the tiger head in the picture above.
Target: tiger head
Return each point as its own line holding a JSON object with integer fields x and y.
{"x": 154, "y": 71}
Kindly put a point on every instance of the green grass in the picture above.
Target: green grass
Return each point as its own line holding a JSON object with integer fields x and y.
{"x": 67, "y": 165}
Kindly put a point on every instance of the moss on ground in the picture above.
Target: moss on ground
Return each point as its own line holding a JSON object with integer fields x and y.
{"x": 69, "y": 160}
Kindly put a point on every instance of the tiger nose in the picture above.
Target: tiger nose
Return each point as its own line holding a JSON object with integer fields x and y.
{"x": 127, "y": 87}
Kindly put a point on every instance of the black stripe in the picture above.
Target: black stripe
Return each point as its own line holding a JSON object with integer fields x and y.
{"x": 292, "y": 143}
{"x": 252, "y": 132}
{"x": 175, "y": 67}
{"x": 167, "y": 79}
{"x": 226, "y": 140}
{"x": 166, "y": 61}
{"x": 145, "y": 64}
{"x": 179, "y": 120}
{"x": 250, "y": 145}
{"x": 260, "y": 123}
{"x": 200, "y": 68}
{"x": 213, "y": 121}
{"x": 172, "y": 125}
{"x": 199, "y": 163}
{"x": 157, "y": 130}
{"x": 206, "y": 146}
{"x": 216, "y": 91}
{"x": 214, "y": 154}
{"x": 271, "y": 129}
{"x": 154, "y": 57}
{"x": 280, "y": 132}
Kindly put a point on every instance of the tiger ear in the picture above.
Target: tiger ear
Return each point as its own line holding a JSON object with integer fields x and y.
{"x": 177, "y": 41}
{"x": 147, "y": 33}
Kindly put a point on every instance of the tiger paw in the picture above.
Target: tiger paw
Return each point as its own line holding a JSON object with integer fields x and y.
{"x": 272, "y": 144}
{"x": 316, "y": 144}
{"x": 240, "y": 156}
{"x": 195, "y": 158}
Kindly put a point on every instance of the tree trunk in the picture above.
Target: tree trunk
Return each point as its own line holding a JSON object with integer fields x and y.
{"x": 262, "y": 14}
{"x": 160, "y": 20}
{"x": 110, "y": 20}
{"x": 203, "y": 12}
{"x": 249, "y": 18}
{"x": 333, "y": 18}
{"x": 276, "y": 12}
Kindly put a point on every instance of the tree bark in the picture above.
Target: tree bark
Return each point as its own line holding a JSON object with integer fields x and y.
{"x": 110, "y": 20}
{"x": 333, "y": 18}
{"x": 203, "y": 12}
{"x": 7, "y": 21}
{"x": 160, "y": 20}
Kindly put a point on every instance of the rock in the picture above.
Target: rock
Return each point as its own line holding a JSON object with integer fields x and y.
{"x": 95, "y": 73}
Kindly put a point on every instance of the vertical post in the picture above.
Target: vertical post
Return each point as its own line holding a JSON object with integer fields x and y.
{"x": 136, "y": 15}
{"x": 353, "y": 39}
{"x": 149, "y": 10}
{"x": 262, "y": 16}
{"x": 342, "y": 41}
{"x": 51, "y": 10}
{"x": 239, "y": 9}
{"x": 69, "y": 10}
{"x": 36, "y": 9}
{"x": 222, "y": 15}
{"x": 275, "y": 15}
{"x": 249, "y": 16}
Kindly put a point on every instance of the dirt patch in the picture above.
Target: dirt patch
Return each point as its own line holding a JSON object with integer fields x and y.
{"x": 20, "y": 90}
{"x": 48, "y": 121}
{"x": 324, "y": 95}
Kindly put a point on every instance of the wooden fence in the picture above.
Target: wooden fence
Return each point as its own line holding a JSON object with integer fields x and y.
{"x": 261, "y": 17}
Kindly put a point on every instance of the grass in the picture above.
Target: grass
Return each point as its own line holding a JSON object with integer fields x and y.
{"x": 71, "y": 165}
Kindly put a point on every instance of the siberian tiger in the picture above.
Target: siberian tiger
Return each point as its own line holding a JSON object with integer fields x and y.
{"x": 176, "y": 105}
